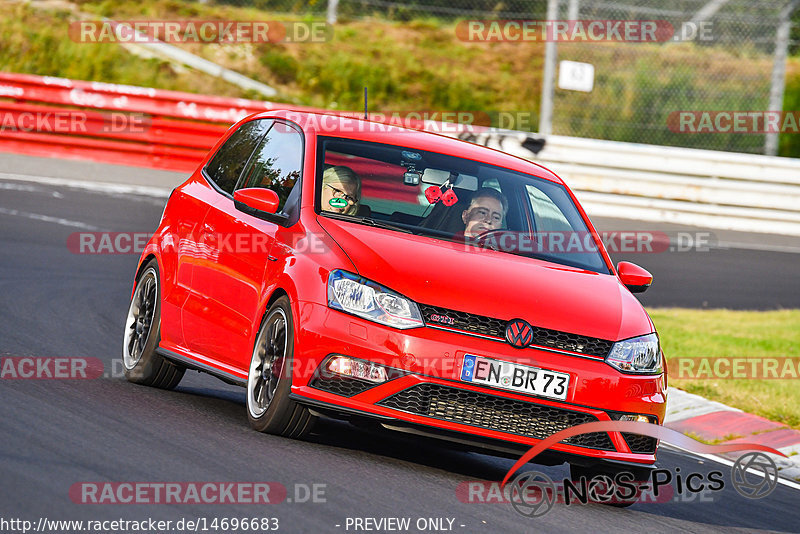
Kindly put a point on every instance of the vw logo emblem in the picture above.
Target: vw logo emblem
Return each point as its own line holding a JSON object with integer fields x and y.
{"x": 519, "y": 333}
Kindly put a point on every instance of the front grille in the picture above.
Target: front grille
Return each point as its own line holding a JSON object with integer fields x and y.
{"x": 496, "y": 328}
{"x": 639, "y": 443}
{"x": 339, "y": 385}
{"x": 495, "y": 413}
{"x": 478, "y": 324}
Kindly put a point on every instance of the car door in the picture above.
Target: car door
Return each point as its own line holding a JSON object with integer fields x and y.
{"x": 219, "y": 178}
{"x": 188, "y": 205}
{"x": 234, "y": 276}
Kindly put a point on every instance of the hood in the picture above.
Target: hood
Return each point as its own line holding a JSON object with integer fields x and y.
{"x": 490, "y": 283}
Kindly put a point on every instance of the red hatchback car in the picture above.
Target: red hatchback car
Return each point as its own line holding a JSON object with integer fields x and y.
{"x": 340, "y": 267}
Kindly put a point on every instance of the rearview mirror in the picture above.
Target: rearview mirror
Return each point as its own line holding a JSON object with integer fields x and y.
{"x": 636, "y": 279}
{"x": 440, "y": 176}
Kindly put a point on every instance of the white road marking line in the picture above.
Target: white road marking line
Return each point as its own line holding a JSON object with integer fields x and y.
{"x": 48, "y": 218}
{"x": 21, "y": 187}
{"x": 723, "y": 461}
{"x": 756, "y": 246}
{"x": 11, "y": 186}
{"x": 103, "y": 187}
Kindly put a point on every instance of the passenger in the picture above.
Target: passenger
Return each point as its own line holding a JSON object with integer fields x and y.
{"x": 486, "y": 212}
{"x": 341, "y": 182}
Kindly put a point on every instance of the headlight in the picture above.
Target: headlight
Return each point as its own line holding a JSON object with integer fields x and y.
{"x": 640, "y": 355}
{"x": 353, "y": 294}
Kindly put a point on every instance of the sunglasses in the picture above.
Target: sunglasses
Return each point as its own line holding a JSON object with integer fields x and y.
{"x": 338, "y": 193}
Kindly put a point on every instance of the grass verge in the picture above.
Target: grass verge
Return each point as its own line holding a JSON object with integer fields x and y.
{"x": 736, "y": 334}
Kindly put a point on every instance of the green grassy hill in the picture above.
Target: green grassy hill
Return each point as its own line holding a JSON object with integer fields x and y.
{"x": 418, "y": 65}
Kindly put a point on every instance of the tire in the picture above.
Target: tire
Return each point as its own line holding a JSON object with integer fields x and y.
{"x": 143, "y": 333}
{"x": 608, "y": 473}
{"x": 269, "y": 380}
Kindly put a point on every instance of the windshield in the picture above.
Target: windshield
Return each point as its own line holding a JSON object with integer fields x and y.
{"x": 454, "y": 199}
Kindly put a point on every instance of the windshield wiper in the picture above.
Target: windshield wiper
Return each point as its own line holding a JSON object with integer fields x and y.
{"x": 367, "y": 221}
{"x": 382, "y": 224}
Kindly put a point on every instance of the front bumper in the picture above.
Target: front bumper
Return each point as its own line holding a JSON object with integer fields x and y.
{"x": 427, "y": 396}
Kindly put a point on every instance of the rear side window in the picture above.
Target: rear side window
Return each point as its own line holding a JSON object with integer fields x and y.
{"x": 277, "y": 162}
{"x": 226, "y": 166}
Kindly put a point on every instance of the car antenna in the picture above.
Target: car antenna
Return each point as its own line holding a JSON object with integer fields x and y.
{"x": 366, "y": 116}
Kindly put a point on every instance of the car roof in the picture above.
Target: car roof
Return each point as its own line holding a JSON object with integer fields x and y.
{"x": 348, "y": 126}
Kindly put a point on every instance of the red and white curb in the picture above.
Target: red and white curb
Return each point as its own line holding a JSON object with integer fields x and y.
{"x": 713, "y": 421}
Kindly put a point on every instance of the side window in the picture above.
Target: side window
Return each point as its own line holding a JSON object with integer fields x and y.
{"x": 227, "y": 164}
{"x": 277, "y": 162}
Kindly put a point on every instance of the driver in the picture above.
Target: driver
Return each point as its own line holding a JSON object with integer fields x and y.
{"x": 485, "y": 212}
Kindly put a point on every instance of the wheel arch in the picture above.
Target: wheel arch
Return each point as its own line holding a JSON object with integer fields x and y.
{"x": 271, "y": 296}
{"x": 140, "y": 269}
{"x": 277, "y": 293}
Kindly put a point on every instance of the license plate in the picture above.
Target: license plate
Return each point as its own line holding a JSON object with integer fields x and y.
{"x": 515, "y": 377}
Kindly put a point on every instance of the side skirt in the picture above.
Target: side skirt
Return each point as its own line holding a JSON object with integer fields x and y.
{"x": 202, "y": 367}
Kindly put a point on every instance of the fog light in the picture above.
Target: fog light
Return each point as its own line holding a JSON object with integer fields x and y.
{"x": 342, "y": 365}
{"x": 637, "y": 418}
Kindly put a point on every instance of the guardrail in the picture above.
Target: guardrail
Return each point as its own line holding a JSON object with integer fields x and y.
{"x": 114, "y": 123}
{"x": 686, "y": 186}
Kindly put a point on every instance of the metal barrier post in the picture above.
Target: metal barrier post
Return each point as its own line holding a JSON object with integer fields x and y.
{"x": 548, "y": 80}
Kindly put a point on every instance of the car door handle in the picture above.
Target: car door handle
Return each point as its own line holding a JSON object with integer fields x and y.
{"x": 272, "y": 258}
{"x": 208, "y": 228}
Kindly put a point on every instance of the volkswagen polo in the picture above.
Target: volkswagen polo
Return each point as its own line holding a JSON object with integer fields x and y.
{"x": 345, "y": 268}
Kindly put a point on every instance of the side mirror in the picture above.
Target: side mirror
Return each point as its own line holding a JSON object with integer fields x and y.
{"x": 636, "y": 279}
{"x": 256, "y": 198}
{"x": 261, "y": 203}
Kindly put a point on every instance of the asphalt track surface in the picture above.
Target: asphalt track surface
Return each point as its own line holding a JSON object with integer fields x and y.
{"x": 56, "y": 433}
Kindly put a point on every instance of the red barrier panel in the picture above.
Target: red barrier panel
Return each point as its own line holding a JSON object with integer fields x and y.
{"x": 112, "y": 125}
{"x": 72, "y": 147}
{"x": 129, "y": 125}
